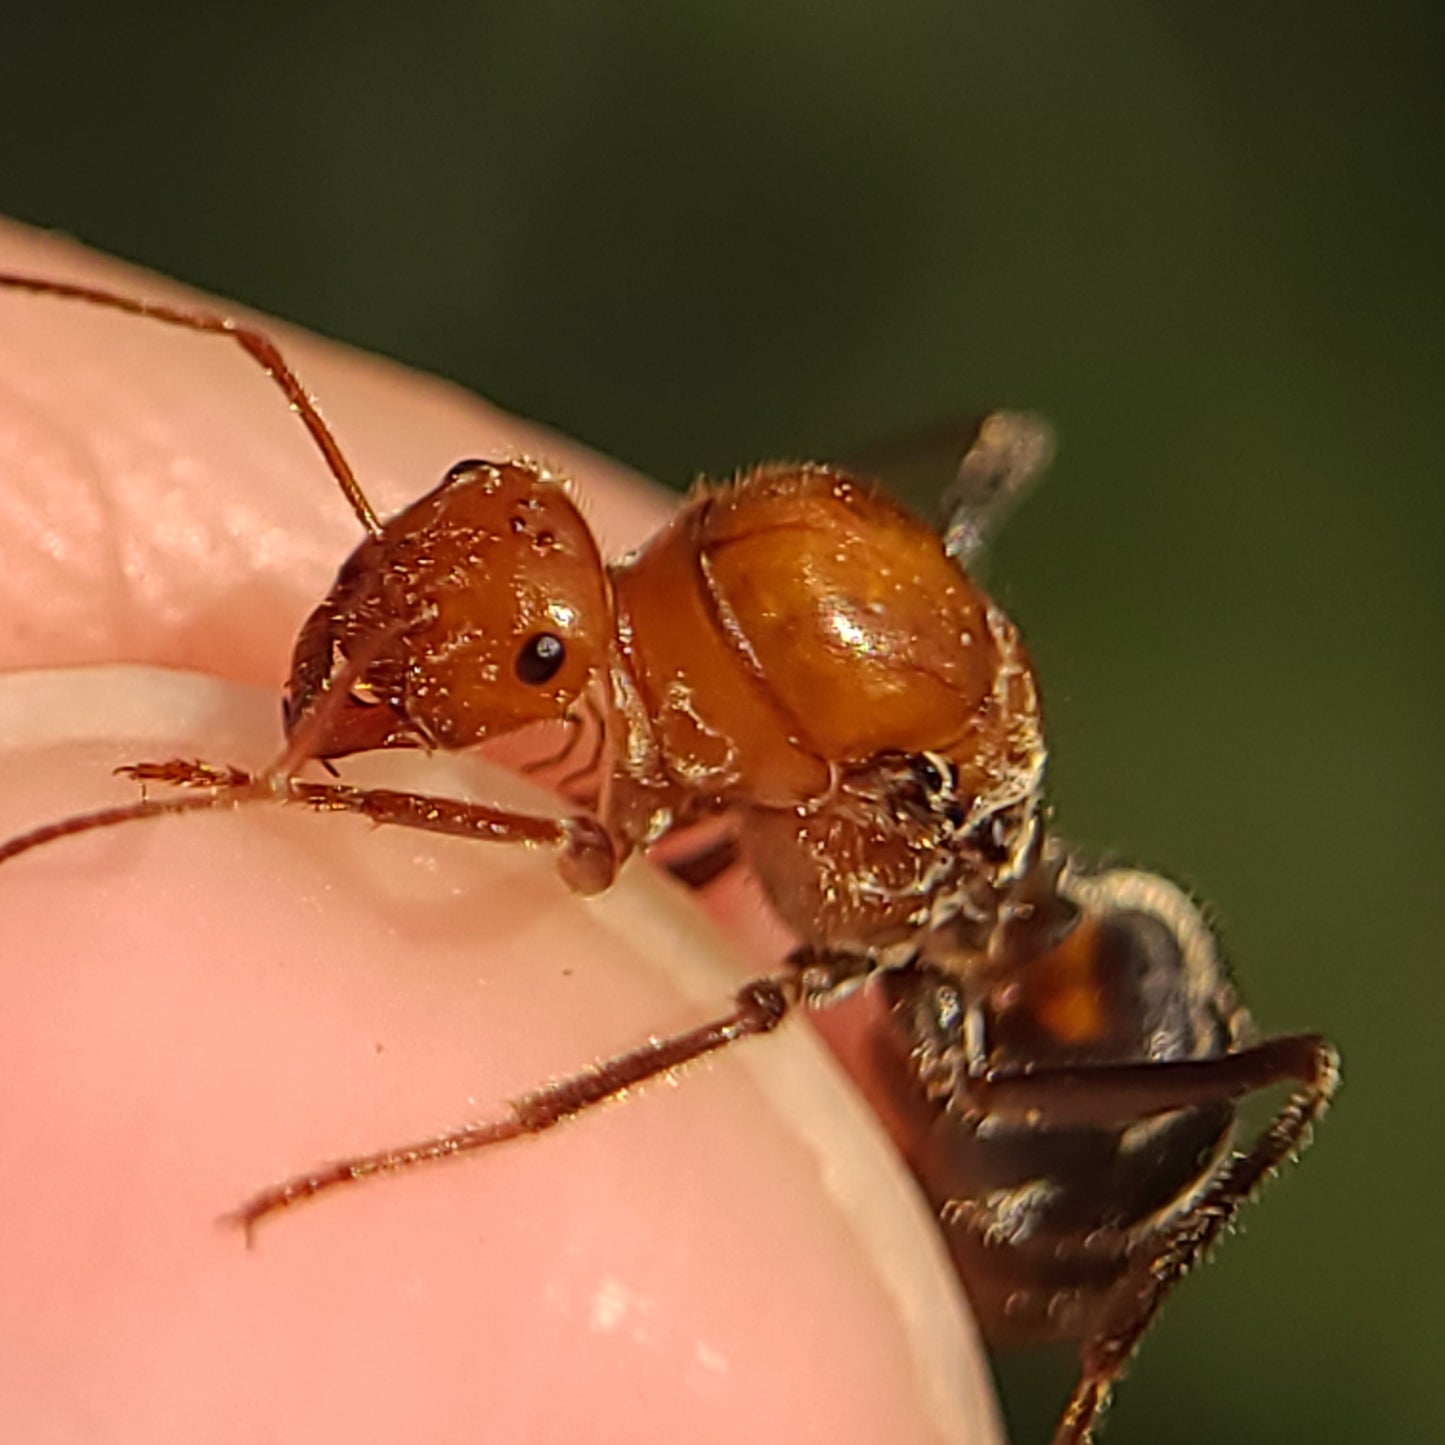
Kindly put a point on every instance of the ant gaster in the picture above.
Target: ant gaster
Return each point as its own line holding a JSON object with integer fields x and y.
{"x": 797, "y": 659}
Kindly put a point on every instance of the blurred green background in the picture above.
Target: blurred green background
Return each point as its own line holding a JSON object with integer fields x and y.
{"x": 1207, "y": 241}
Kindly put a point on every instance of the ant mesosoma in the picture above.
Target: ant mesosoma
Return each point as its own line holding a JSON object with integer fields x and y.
{"x": 805, "y": 674}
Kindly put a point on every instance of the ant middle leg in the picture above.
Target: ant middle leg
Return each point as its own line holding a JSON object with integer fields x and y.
{"x": 759, "y": 1007}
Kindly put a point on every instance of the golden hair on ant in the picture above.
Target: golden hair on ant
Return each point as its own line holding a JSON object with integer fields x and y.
{"x": 799, "y": 674}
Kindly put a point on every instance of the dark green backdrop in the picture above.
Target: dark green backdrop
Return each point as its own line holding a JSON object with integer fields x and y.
{"x": 1207, "y": 241}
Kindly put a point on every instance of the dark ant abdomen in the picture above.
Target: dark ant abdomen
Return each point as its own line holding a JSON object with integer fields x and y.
{"x": 1044, "y": 1218}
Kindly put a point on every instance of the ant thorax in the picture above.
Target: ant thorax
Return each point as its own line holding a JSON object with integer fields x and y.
{"x": 801, "y": 651}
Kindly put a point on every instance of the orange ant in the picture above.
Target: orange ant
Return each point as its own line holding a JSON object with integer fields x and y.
{"x": 798, "y": 662}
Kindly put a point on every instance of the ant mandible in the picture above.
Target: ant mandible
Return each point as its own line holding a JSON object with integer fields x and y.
{"x": 803, "y": 674}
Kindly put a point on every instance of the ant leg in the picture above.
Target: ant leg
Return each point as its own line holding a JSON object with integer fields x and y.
{"x": 1132, "y": 1304}
{"x": 560, "y": 756}
{"x": 578, "y": 729}
{"x": 707, "y": 863}
{"x": 1122, "y": 1093}
{"x": 1085, "y": 1409}
{"x": 760, "y": 1007}
{"x": 570, "y": 782}
{"x": 588, "y": 858}
{"x": 223, "y": 786}
{"x": 1127, "y": 1091}
{"x": 259, "y": 347}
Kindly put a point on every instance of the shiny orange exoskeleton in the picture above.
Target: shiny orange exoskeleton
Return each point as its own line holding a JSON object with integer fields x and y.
{"x": 781, "y": 651}
{"x": 799, "y": 673}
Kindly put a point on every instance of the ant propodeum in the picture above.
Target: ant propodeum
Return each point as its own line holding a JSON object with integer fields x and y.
{"x": 801, "y": 674}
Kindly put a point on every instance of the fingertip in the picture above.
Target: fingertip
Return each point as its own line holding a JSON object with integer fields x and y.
{"x": 199, "y": 1006}
{"x": 243, "y": 995}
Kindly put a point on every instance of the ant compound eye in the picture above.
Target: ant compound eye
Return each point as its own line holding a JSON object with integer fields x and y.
{"x": 541, "y": 658}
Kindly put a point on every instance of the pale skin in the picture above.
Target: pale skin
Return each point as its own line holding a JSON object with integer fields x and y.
{"x": 195, "y": 1007}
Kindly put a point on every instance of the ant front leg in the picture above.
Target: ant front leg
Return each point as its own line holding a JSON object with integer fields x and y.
{"x": 587, "y": 857}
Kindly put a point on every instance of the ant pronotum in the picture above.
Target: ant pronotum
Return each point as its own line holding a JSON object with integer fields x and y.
{"x": 799, "y": 674}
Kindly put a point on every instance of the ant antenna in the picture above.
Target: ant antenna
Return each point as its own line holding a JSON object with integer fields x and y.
{"x": 259, "y": 347}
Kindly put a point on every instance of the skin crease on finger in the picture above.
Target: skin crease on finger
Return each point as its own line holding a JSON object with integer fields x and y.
{"x": 195, "y": 1007}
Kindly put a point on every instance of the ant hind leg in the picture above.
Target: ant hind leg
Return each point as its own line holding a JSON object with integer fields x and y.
{"x": 1133, "y": 1303}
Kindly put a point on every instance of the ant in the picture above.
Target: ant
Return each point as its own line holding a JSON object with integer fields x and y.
{"x": 803, "y": 676}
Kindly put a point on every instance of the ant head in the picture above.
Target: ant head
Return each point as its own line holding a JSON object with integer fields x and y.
{"x": 482, "y": 607}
